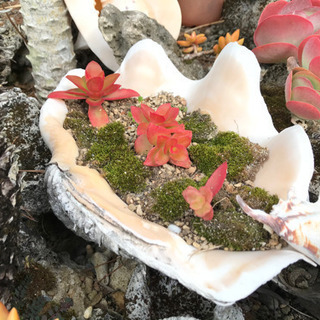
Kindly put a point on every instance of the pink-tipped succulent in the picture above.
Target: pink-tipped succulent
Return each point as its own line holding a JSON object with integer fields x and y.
{"x": 95, "y": 88}
{"x": 302, "y": 89}
{"x": 170, "y": 145}
{"x": 164, "y": 116}
{"x": 281, "y": 28}
{"x": 200, "y": 200}
{"x": 161, "y": 136}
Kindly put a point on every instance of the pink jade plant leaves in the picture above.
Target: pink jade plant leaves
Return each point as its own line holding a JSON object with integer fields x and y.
{"x": 161, "y": 135}
{"x": 283, "y": 26}
{"x": 95, "y": 88}
{"x": 200, "y": 200}
{"x": 302, "y": 89}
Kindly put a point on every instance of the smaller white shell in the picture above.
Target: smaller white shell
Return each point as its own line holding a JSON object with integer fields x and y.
{"x": 296, "y": 221}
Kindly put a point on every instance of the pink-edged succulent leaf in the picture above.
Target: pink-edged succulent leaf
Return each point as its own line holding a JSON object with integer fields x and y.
{"x": 295, "y": 5}
{"x": 93, "y": 70}
{"x": 272, "y": 9}
{"x": 154, "y": 131}
{"x": 208, "y": 215}
{"x": 199, "y": 201}
{"x": 315, "y": 19}
{"x": 314, "y": 66}
{"x": 121, "y": 94}
{"x": 288, "y": 87}
{"x": 303, "y": 110}
{"x": 306, "y": 94}
{"x": 215, "y": 182}
{"x": 301, "y": 82}
{"x": 95, "y": 85}
{"x": 142, "y": 144}
{"x": 80, "y": 82}
{"x": 178, "y": 154}
{"x": 308, "y": 50}
{"x": 316, "y": 3}
{"x": 301, "y": 72}
{"x": 156, "y": 156}
{"x": 183, "y": 136}
{"x": 97, "y": 116}
{"x": 283, "y": 29}
{"x": 275, "y": 52}
{"x": 70, "y": 94}
{"x": 194, "y": 197}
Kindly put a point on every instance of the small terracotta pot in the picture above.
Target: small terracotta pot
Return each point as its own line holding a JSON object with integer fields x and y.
{"x": 198, "y": 12}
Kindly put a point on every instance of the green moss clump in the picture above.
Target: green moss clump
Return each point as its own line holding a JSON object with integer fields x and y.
{"x": 232, "y": 229}
{"x": 84, "y": 133}
{"x": 203, "y": 129}
{"x": 258, "y": 198}
{"x": 169, "y": 202}
{"x": 124, "y": 171}
{"x": 227, "y": 146}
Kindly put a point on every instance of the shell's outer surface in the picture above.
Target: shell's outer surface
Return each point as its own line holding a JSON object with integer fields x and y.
{"x": 84, "y": 201}
{"x": 221, "y": 276}
{"x": 296, "y": 221}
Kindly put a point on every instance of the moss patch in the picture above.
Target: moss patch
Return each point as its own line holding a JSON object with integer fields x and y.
{"x": 123, "y": 170}
{"x": 84, "y": 133}
{"x": 169, "y": 202}
{"x": 232, "y": 229}
{"x": 226, "y": 146}
{"x": 258, "y": 198}
{"x": 203, "y": 129}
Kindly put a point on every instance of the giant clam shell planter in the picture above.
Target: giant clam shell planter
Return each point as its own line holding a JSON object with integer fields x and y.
{"x": 84, "y": 201}
{"x": 85, "y": 16}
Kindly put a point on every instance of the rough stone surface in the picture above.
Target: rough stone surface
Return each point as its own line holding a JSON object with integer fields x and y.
{"x": 138, "y": 295}
{"x": 123, "y": 29}
{"x": 228, "y": 313}
{"x": 10, "y": 42}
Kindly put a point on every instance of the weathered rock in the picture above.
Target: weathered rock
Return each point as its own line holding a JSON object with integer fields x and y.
{"x": 121, "y": 274}
{"x": 233, "y": 312}
{"x": 138, "y": 296}
{"x": 10, "y": 42}
{"x": 122, "y": 29}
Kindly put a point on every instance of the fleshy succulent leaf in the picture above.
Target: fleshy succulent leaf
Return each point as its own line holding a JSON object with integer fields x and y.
{"x": 303, "y": 110}
{"x": 275, "y": 52}
{"x": 295, "y": 5}
{"x": 92, "y": 70}
{"x": 310, "y": 49}
{"x": 97, "y": 116}
{"x": 314, "y": 66}
{"x": 80, "y": 82}
{"x": 70, "y": 94}
{"x": 95, "y": 85}
{"x": 283, "y": 29}
{"x": 217, "y": 178}
{"x": 288, "y": 86}
{"x": 271, "y": 9}
{"x": 142, "y": 144}
{"x": 307, "y": 95}
{"x": 121, "y": 94}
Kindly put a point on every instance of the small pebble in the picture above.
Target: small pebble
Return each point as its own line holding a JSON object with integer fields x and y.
{"x": 87, "y": 313}
{"x": 174, "y": 228}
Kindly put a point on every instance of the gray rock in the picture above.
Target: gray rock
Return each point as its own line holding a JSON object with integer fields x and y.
{"x": 138, "y": 296}
{"x": 233, "y": 312}
{"x": 123, "y": 29}
{"x": 100, "y": 262}
{"x": 121, "y": 274}
{"x": 10, "y": 42}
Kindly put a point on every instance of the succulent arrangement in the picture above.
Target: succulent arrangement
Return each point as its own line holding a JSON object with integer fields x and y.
{"x": 163, "y": 140}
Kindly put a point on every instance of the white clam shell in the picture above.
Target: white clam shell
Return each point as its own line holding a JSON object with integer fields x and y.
{"x": 84, "y": 201}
